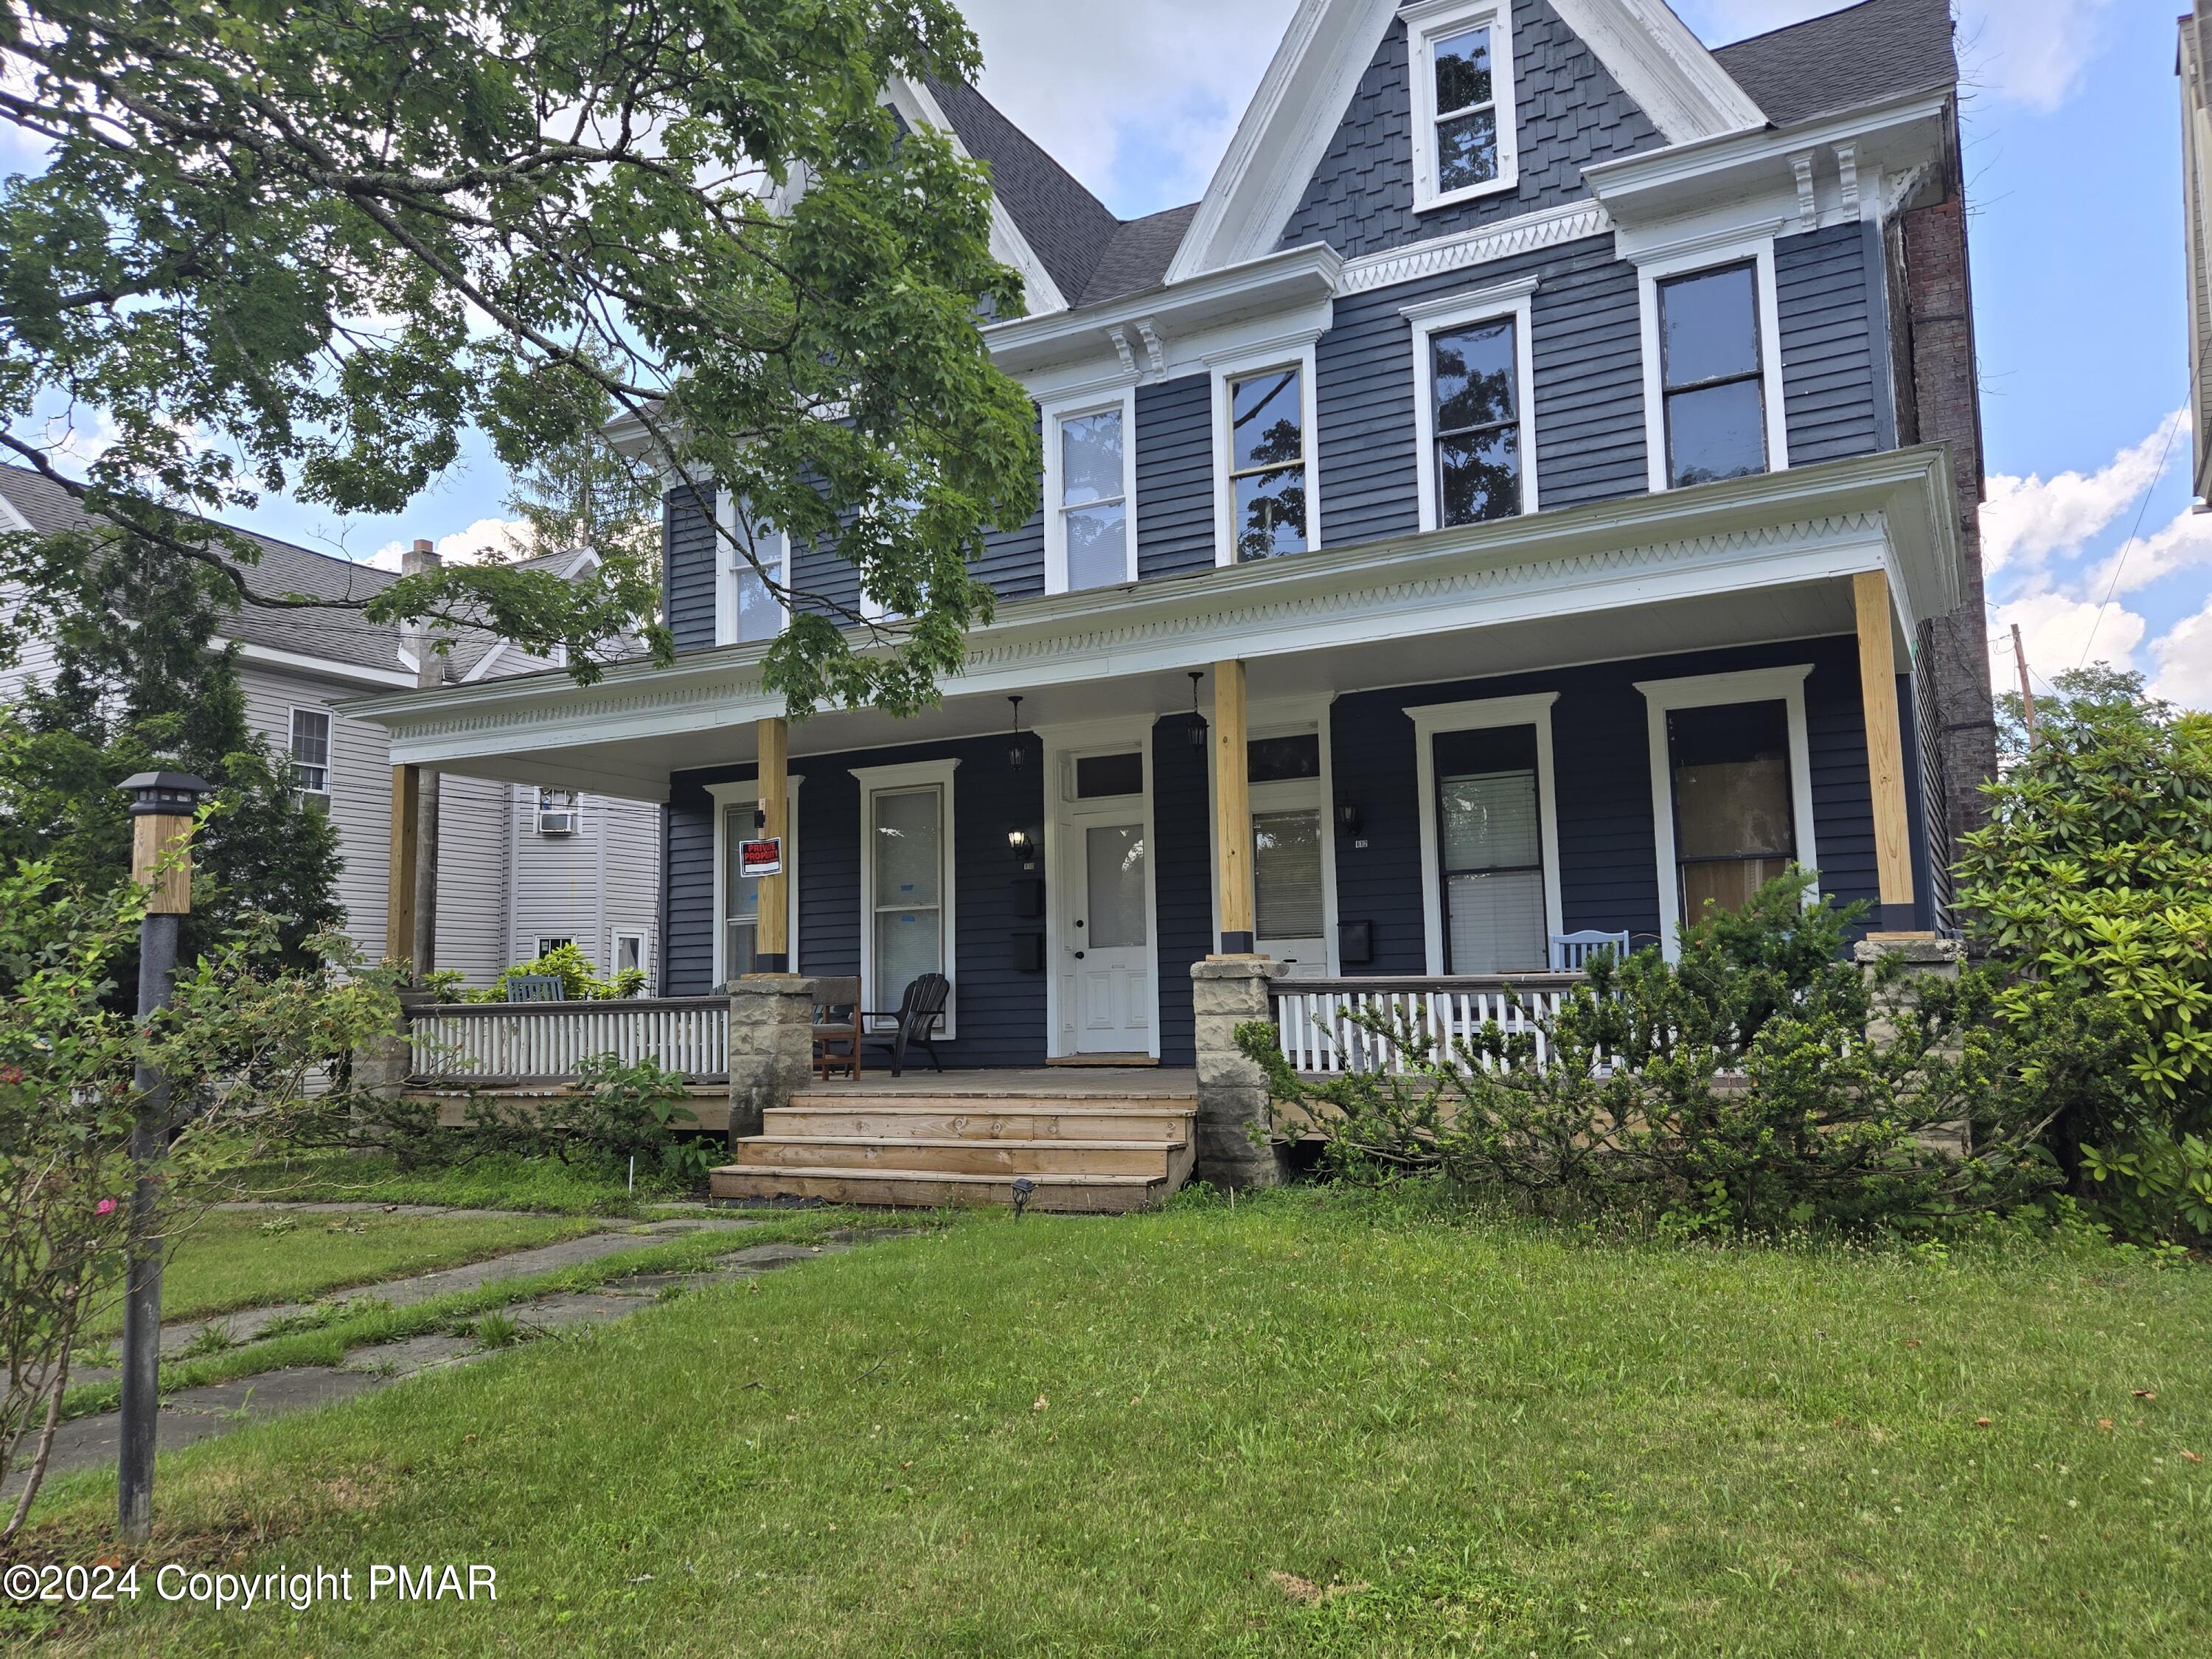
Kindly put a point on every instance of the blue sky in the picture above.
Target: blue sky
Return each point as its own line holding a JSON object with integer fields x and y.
{"x": 2073, "y": 174}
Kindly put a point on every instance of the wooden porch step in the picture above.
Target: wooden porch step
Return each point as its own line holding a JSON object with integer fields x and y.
{"x": 1099, "y": 1194}
{"x": 1151, "y": 1120}
{"x": 962, "y": 1157}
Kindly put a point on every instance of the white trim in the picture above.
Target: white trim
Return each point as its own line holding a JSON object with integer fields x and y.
{"x": 1484, "y": 714}
{"x": 1687, "y": 258}
{"x": 1040, "y": 293}
{"x": 886, "y": 779}
{"x": 329, "y": 668}
{"x": 725, "y": 796}
{"x": 1665, "y": 71}
{"x": 1498, "y": 239}
{"x": 1432, "y": 317}
{"x": 1121, "y": 398}
{"x": 329, "y": 791}
{"x": 1426, "y": 23}
{"x": 1294, "y": 350}
{"x": 1282, "y": 717}
{"x": 12, "y": 521}
{"x": 730, "y": 566}
{"x": 642, "y": 933}
{"x": 1063, "y": 744}
{"x": 1784, "y": 685}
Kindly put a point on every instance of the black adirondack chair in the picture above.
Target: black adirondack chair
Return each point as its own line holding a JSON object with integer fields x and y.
{"x": 920, "y": 1011}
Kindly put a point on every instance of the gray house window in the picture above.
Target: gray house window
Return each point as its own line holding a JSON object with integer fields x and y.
{"x": 1713, "y": 374}
{"x": 1475, "y": 373}
{"x": 1267, "y": 468}
{"x": 311, "y": 753}
{"x": 1466, "y": 111}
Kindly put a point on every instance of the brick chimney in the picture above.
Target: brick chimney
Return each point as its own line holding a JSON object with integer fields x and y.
{"x": 420, "y": 557}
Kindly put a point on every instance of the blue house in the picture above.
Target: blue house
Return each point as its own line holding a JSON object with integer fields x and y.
{"x": 1532, "y": 492}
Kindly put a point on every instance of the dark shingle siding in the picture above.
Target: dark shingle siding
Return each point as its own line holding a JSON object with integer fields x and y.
{"x": 686, "y": 566}
{"x": 1174, "y": 477}
{"x": 1570, "y": 112}
{"x": 1828, "y": 363}
{"x": 1864, "y": 54}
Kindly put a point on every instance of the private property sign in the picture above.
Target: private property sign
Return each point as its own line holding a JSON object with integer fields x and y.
{"x": 760, "y": 858}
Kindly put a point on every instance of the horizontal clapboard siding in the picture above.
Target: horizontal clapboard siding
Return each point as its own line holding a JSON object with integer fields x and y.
{"x": 1827, "y": 315}
{"x": 686, "y": 566}
{"x": 1183, "y": 876}
{"x": 1174, "y": 477}
{"x": 1587, "y": 354}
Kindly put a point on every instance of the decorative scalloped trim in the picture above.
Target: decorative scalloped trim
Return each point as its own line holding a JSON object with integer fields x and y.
{"x": 1529, "y": 233}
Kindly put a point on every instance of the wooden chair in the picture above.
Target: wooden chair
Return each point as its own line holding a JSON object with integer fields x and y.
{"x": 1571, "y": 952}
{"x": 920, "y": 1011}
{"x": 837, "y": 1027}
{"x": 537, "y": 987}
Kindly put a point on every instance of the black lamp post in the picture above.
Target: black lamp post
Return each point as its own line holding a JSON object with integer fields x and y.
{"x": 161, "y": 808}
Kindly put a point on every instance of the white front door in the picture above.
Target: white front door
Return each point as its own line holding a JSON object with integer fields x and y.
{"x": 1107, "y": 999}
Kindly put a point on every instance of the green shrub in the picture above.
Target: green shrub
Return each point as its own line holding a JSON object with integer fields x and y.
{"x": 1762, "y": 1084}
{"x": 580, "y": 980}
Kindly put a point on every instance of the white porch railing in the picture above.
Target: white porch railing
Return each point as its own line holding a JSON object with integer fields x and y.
{"x": 541, "y": 1041}
{"x": 1315, "y": 1024}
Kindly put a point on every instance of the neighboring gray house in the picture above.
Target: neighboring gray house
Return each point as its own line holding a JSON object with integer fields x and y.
{"x": 521, "y": 866}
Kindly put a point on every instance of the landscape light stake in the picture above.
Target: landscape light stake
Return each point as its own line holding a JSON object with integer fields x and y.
{"x": 161, "y": 808}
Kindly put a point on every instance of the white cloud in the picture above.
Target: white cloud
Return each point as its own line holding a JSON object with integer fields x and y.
{"x": 2026, "y": 520}
{"x": 2059, "y": 632}
{"x": 468, "y": 546}
{"x": 2184, "y": 662}
{"x": 2186, "y": 542}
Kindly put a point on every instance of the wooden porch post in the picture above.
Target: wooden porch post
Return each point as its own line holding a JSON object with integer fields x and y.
{"x": 1892, "y": 824}
{"x": 399, "y": 903}
{"x": 1233, "y": 810}
{"x": 772, "y": 952}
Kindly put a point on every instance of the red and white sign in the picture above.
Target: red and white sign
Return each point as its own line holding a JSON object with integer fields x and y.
{"x": 760, "y": 858}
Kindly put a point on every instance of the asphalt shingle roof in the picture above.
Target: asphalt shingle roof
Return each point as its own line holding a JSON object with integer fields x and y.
{"x": 1138, "y": 256}
{"x": 1864, "y": 54}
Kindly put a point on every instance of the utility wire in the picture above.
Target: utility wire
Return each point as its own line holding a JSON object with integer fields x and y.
{"x": 2127, "y": 547}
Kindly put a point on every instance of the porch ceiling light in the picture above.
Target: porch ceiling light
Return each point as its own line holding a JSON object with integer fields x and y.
{"x": 1195, "y": 727}
{"x": 1018, "y": 755}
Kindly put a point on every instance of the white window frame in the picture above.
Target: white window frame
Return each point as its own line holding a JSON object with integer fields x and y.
{"x": 548, "y": 942}
{"x": 1711, "y": 254}
{"x": 1441, "y": 316}
{"x": 643, "y": 935}
{"x": 889, "y": 780}
{"x": 730, "y": 566}
{"x": 1287, "y": 717}
{"x": 1293, "y": 351}
{"x": 329, "y": 719}
{"x": 1661, "y": 698}
{"x": 575, "y": 812}
{"x": 745, "y": 793}
{"x": 1484, "y": 714}
{"x": 1073, "y": 406}
{"x": 1425, "y": 24}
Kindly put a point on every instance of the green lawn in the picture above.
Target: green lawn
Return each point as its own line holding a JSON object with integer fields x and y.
{"x": 493, "y": 1183}
{"x": 230, "y": 1260}
{"x": 1072, "y": 1436}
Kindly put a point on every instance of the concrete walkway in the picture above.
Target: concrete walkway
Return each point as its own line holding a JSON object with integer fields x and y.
{"x": 195, "y": 1414}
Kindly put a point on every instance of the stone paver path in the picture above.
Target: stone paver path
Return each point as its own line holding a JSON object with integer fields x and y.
{"x": 195, "y": 1414}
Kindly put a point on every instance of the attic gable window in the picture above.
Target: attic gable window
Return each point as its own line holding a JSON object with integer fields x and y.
{"x": 1461, "y": 63}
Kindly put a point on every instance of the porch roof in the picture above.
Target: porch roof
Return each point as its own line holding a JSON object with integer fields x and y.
{"x": 1738, "y": 563}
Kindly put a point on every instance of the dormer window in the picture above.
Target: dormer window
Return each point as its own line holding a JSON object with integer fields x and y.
{"x": 1462, "y": 69}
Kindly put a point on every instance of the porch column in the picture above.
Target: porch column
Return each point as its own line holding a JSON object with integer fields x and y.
{"x": 772, "y": 950}
{"x": 399, "y": 902}
{"x": 1232, "y": 810}
{"x": 1893, "y": 823}
{"x": 429, "y": 674}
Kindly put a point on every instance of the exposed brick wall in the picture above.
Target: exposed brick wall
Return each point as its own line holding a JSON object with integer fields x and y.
{"x": 1939, "y": 402}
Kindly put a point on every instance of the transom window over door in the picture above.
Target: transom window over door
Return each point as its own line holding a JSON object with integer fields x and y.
{"x": 1094, "y": 502}
{"x": 1268, "y": 462}
{"x": 1735, "y": 819}
{"x": 1474, "y": 375}
{"x": 1490, "y": 850}
{"x": 1713, "y": 374}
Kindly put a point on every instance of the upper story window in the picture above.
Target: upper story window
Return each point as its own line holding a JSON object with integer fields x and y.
{"x": 1713, "y": 378}
{"x": 311, "y": 754}
{"x": 1474, "y": 375}
{"x": 1268, "y": 462}
{"x": 1091, "y": 488}
{"x": 749, "y": 610}
{"x": 1712, "y": 365}
{"x": 1461, "y": 67}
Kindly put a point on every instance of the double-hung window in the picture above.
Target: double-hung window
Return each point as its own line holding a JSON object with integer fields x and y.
{"x": 311, "y": 754}
{"x": 1268, "y": 462}
{"x": 1089, "y": 467}
{"x": 1460, "y": 55}
{"x": 1713, "y": 375}
{"x": 1474, "y": 386}
{"x": 908, "y": 886}
{"x": 747, "y": 554}
{"x": 1490, "y": 838}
